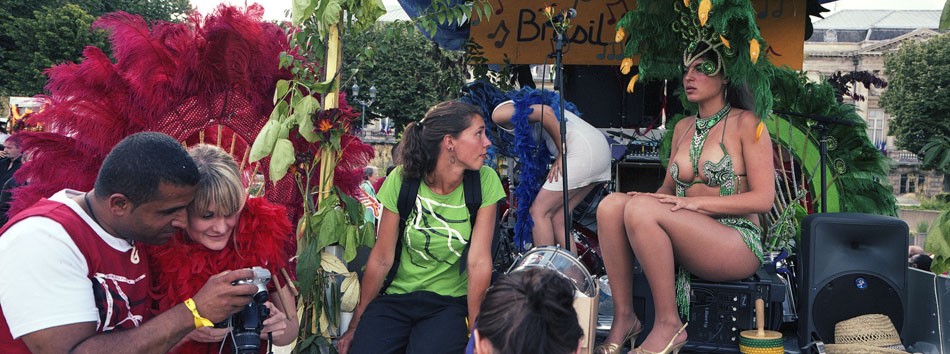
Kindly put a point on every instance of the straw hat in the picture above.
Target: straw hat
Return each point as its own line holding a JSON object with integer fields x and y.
{"x": 866, "y": 334}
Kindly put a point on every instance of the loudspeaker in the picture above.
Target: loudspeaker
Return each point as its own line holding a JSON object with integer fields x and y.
{"x": 609, "y": 105}
{"x": 851, "y": 265}
{"x": 639, "y": 176}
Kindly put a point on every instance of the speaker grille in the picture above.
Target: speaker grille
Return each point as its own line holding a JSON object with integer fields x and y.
{"x": 853, "y": 295}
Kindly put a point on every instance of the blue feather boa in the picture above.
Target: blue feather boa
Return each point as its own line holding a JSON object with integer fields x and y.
{"x": 533, "y": 155}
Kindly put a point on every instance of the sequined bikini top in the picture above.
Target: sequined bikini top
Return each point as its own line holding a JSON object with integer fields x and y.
{"x": 719, "y": 174}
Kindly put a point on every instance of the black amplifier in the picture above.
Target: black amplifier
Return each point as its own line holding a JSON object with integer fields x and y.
{"x": 719, "y": 311}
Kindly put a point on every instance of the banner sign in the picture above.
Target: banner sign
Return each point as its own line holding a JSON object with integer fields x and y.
{"x": 520, "y": 30}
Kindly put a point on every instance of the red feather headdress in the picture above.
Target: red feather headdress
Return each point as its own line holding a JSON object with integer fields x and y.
{"x": 208, "y": 80}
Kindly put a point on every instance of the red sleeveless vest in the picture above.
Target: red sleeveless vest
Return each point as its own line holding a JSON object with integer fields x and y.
{"x": 120, "y": 288}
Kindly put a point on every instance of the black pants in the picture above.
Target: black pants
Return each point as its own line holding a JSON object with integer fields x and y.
{"x": 418, "y": 322}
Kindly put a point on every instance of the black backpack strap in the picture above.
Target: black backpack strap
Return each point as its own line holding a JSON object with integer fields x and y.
{"x": 406, "y": 202}
{"x": 472, "y": 186}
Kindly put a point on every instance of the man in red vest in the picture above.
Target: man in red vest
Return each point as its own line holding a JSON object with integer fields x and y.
{"x": 72, "y": 278}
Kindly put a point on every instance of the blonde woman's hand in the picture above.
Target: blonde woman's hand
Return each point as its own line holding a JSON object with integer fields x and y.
{"x": 276, "y": 323}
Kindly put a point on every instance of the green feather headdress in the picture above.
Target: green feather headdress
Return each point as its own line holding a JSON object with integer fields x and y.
{"x": 666, "y": 34}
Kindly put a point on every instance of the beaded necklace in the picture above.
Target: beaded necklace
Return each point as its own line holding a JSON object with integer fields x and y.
{"x": 703, "y": 125}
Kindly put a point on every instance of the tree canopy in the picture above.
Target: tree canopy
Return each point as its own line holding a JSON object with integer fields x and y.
{"x": 918, "y": 92}
{"x": 35, "y": 35}
{"x": 410, "y": 72}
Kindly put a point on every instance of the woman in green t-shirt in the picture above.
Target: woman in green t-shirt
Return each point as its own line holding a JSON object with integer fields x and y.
{"x": 425, "y": 308}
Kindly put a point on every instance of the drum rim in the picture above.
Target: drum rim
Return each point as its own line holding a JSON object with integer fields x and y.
{"x": 591, "y": 281}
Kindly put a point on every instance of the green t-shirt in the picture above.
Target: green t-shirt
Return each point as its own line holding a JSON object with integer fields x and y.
{"x": 436, "y": 234}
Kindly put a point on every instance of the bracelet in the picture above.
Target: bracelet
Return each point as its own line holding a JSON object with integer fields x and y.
{"x": 199, "y": 321}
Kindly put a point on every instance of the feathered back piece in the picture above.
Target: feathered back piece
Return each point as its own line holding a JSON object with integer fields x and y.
{"x": 210, "y": 79}
{"x": 666, "y": 35}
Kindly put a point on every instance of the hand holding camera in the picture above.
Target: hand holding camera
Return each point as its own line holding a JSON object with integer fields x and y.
{"x": 248, "y": 324}
{"x": 220, "y": 297}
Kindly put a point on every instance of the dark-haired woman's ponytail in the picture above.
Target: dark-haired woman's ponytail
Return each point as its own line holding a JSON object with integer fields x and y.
{"x": 412, "y": 151}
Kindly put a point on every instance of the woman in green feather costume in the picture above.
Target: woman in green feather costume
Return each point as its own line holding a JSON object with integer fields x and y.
{"x": 703, "y": 217}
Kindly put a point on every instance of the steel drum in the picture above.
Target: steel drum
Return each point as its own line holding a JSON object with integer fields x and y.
{"x": 560, "y": 261}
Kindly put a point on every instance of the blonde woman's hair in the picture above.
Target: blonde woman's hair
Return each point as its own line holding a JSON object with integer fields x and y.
{"x": 220, "y": 181}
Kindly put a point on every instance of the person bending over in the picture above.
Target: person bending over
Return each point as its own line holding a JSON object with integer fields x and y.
{"x": 424, "y": 308}
{"x": 73, "y": 277}
{"x": 588, "y": 163}
{"x": 225, "y": 230}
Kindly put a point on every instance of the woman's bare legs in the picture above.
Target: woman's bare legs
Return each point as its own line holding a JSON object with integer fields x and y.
{"x": 547, "y": 212}
{"x": 618, "y": 260}
{"x": 707, "y": 248}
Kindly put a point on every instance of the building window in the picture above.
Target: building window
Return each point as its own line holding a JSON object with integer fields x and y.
{"x": 831, "y": 36}
{"x": 903, "y": 184}
{"x": 920, "y": 183}
{"x": 876, "y": 121}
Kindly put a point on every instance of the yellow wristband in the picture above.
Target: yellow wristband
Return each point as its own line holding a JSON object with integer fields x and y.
{"x": 199, "y": 321}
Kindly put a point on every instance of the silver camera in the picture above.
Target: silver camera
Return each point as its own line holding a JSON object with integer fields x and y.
{"x": 260, "y": 279}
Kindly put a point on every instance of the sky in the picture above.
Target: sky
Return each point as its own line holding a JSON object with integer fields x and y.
{"x": 885, "y": 5}
{"x": 274, "y": 9}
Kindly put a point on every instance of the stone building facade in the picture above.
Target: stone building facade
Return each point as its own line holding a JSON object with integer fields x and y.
{"x": 857, "y": 40}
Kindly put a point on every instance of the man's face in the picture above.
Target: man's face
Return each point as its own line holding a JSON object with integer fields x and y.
{"x": 10, "y": 149}
{"x": 155, "y": 222}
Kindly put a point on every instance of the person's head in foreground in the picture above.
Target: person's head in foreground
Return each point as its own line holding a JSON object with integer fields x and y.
{"x": 528, "y": 311}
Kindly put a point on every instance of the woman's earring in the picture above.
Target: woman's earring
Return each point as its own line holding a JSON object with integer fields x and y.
{"x": 451, "y": 148}
{"x": 452, "y": 159}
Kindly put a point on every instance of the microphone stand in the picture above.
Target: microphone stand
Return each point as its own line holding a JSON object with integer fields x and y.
{"x": 823, "y": 126}
{"x": 558, "y": 55}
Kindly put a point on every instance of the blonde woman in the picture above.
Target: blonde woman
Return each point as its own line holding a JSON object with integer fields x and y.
{"x": 226, "y": 230}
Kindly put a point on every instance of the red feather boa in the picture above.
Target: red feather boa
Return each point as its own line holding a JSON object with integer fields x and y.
{"x": 263, "y": 237}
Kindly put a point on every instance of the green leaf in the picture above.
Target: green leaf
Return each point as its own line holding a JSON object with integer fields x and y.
{"x": 282, "y": 87}
{"x": 302, "y": 9}
{"x": 264, "y": 143}
{"x": 331, "y": 12}
{"x": 303, "y": 114}
{"x": 307, "y": 264}
{"x": 945, "y": 17}
{"x": 281, "y": 159}
{"x": 330, "y": 228}
{"x": 323, "y": 87}
{"x": 335, "y": 139}
{"x": 368, "y": 234}
{"x": 938, "y": 243}
{"x": 350, "y": 242}
{"x": 354, "y": 209}
{"x": 328, "y": 203}
{"x": 280, "y": 110}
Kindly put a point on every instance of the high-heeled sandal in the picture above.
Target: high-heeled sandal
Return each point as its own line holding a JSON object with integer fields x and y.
{"x": 614, "y": 348}
{"x": 670, "y": 347}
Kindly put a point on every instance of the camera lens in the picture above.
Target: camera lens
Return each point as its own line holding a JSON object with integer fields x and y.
{"x": 260, "y": 297}
{"x": 247, "y": 342}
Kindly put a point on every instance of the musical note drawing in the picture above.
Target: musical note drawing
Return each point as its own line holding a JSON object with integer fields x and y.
{"x": 613, "y": 52}
{"x": 781, "y": 7}
{"x": 579, "y": 1}
{"x": 613, "y": 18}
{"x": 776, "y": 13}
{"x": 772, "y": 50}
{"x": 504, "y": 38}
{"x": 501, "y": 7}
